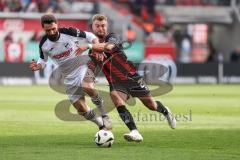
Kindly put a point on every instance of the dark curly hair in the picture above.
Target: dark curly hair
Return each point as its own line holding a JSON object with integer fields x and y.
{"x": 48, "y": 19}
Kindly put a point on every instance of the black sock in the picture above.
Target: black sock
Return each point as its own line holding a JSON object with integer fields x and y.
{"x": 161, "y": 108}
{"x": 126, "y": 116}
{"x": 102, "y": 127}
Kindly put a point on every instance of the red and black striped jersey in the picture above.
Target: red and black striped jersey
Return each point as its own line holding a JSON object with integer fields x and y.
{"x": 116, "y": 66}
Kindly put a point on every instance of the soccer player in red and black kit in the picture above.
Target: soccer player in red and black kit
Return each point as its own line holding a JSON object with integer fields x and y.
{"x": 122, "y": 76}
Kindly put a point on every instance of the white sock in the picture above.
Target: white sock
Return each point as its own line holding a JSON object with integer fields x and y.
{"x": 98, "y": 101}
{"x": 134, "y": 131}
{"x": 91, "y": 116}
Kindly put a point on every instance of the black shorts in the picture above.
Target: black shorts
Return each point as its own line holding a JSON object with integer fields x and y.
{"x": 135, "y": 88}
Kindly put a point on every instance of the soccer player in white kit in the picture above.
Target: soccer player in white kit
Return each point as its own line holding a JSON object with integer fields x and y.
{"x": 60, "y": 45}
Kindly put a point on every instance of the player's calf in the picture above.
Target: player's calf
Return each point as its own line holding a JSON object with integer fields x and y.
{"x": 98, "y": 101}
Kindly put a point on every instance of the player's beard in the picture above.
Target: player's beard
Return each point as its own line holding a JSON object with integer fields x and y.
{"x": 100, "y": 35}
{"x": 53, "y": 37}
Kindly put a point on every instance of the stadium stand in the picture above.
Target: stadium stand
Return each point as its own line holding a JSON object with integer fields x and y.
{"x": 186, "y": 31}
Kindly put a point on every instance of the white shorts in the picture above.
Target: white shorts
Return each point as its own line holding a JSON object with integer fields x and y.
{"x": 73, "y": 84}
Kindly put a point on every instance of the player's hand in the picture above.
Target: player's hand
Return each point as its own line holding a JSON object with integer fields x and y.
{"x": 34, "y": 66}
{"x": 81, "y": 49}
{"x": 98, "y": 56}
{"x": 109, "y": 47}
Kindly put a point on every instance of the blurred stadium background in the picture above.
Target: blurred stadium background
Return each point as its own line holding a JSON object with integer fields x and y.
{"x": 200, "y": 38}
{"x": 197, "y": 40}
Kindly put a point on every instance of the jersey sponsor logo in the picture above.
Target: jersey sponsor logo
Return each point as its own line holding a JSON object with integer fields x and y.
{"x": 63, "y": 54}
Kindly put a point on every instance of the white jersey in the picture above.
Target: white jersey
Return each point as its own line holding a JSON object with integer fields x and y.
{"x": 62, "y": 52}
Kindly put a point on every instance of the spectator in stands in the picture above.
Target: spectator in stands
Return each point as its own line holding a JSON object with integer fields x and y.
{"x": 25, "y": 4}
{"x": 185, "y": 50}
{"x": 177, "y": 36}
{"x": 169, "y": 32}
{"x": 33, "y": 6}
{"x": 148, "y": 27}
{"x": 150, "y": 5}
{"x": 144, "y": 13}
{"x": 213, "y": 55}
{"x": 14, "y": 5}
{"x": 62, "y": 6}
{"x": 41, "y": 6}
{"x": 135, "y": 6}
{"x": 3, "y": 5}
{"x": 130, "y": 34}
{"x": 9, "y": 37}
{"x": 158, "y": 19}
{"x": 235, "y": 55}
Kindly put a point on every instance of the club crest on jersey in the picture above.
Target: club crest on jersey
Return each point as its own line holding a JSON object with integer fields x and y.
{"x": 66, "y": 45}
{"x": 63, "y": 54}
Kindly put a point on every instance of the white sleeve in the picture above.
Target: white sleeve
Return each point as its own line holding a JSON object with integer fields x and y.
{"x": 90, "y": 36}
{"x": 43, "y": 62}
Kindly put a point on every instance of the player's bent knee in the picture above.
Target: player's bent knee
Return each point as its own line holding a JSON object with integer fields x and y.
{"x": 116, "y": 100}
{"x": 89, "y": 90}
{"x": 113, "y": 95}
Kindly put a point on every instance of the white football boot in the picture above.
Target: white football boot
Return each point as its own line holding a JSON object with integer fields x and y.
{"x": 170, "y": 119}
{"x": 134, "y": 135}
{"x": 107, "y": 122}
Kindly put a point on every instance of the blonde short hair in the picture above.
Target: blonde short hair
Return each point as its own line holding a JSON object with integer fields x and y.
{"x": 99, "y": 17}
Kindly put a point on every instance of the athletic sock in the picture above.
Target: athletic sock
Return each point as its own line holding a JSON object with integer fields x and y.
{"x": 161, "y": 108}
{"x": 126, "y": 117}
{"x": 91, "y": 116}
{"x": 98, "y": 101}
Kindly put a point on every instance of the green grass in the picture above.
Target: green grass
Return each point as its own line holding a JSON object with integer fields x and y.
{"x": 208, "y": 127}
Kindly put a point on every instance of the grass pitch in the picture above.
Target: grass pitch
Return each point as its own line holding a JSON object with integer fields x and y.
{"x": 208, "y": 127}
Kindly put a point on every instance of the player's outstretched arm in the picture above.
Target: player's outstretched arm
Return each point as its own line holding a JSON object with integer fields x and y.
{"x": 34, "y": 66}
{"x": 99, "y": 47}
{"x": 102, "y": 47}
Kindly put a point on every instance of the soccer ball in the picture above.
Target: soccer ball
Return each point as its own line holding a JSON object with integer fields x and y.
{"x": 104, "y": 138}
